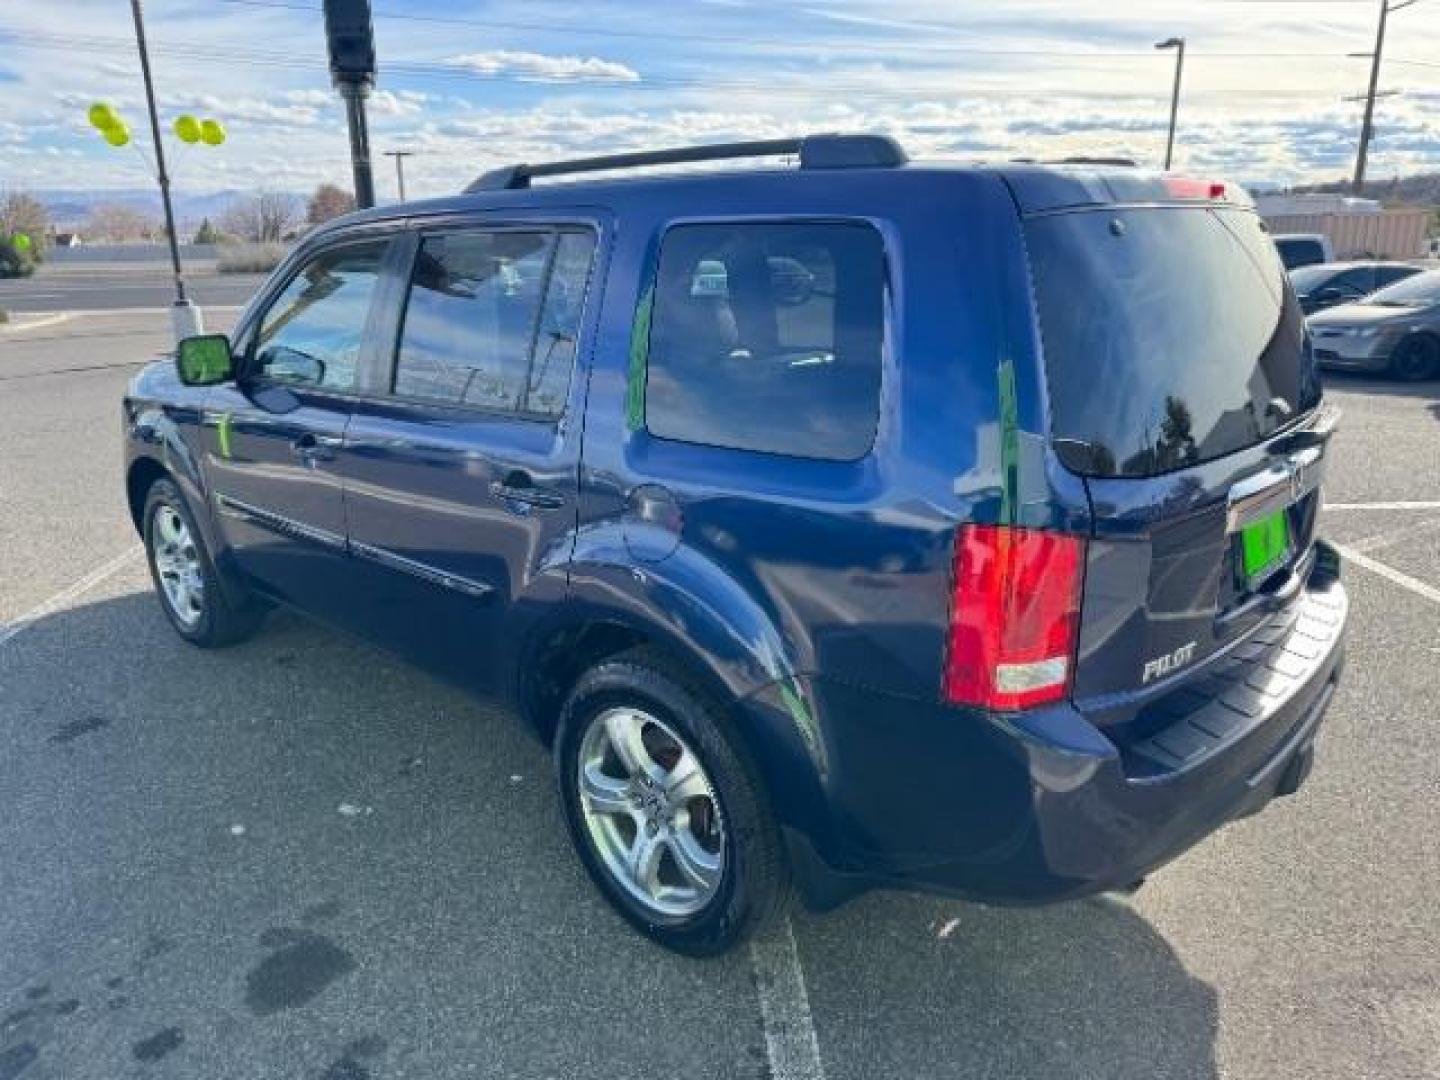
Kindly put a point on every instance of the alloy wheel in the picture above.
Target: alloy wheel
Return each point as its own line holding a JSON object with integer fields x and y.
{"x": 177, "y": 565}
{"x": 651, "y": 812}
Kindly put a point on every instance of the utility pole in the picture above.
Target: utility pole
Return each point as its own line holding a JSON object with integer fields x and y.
{"x": 184, "y": 316}
{"x": 1367, "y": 126}
{"x": 400, "y": 156}
{"x": 350, "y": 38}
{"x": 1178, "y": 44}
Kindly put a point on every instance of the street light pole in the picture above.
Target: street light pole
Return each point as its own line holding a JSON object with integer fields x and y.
{"x": 400, "y": 156}
{"x": 184, "y": 316}
{"x": 1178, "y": 44}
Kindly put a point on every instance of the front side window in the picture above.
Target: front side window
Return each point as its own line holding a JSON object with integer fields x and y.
{"x": 492, "y": 319}
{"x": 312, "y": 333}
{"x": 768, "y": 336}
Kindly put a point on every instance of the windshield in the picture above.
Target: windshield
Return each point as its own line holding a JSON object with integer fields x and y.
{"x": 1171, "y": 337}
{"x": 1309, "y": 278}
{"x": 1418, "y": 291}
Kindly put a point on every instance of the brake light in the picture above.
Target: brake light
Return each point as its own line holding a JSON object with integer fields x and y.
{"x": 1189, "y": 187}
{"x": 1014, "y": 616}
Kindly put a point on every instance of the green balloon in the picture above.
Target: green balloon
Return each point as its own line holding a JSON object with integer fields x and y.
{"x": 103, "y": 116}
{"x": 187, "y": 128}
{"x": 21, "y": 242}
{"x": 118, "y": 135}
{"x": 212, "y": 132}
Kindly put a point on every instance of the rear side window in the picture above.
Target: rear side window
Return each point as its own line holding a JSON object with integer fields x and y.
{"x": 1171, "y": 337}
{"x": 768, "y": 337}
{"x": 492, "y": 318}
{"x": 1297, "y": 253}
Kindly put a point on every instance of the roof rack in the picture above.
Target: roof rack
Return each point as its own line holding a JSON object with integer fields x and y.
{"x": 815, "y": 151}
{"x": 1126, "y": 162}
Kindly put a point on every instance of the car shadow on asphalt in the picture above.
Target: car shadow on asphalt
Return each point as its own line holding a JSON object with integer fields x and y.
{"x": 914, "y": 986}
{"x": 1378, "y": 386}
{"x": 303, "y": 774}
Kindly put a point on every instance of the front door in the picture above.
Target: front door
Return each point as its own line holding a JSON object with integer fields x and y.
{"x": 461, "y": 481}
{"x": 276, "y": 434}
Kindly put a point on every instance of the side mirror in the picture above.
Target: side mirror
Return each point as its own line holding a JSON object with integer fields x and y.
{"x": 204, "y": 360}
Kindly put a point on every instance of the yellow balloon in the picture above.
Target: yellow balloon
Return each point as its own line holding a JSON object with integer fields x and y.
{"x": 118, "y": 135}
{"x": 212, "y": 132}
{"x": 187, "y": 128}
{"x": 103, "y": 116}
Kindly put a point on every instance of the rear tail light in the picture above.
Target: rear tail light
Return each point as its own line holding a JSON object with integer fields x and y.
{"x": 1014, "y": 617}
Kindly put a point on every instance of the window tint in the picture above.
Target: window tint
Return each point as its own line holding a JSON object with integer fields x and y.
{"x": 1171, "y": 337}
{"x": 1357, "y": 281}
{"x": 470, "y": 319}
{"x": 312, "y": 333}
{"x": 554, "y": 352}
{"x": 768, "y": 337}
{"x": 1388, "y": 275}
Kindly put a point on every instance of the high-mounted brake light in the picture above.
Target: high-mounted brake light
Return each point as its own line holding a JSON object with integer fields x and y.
{"x": 1014, "y": 617}
{"x": 1189, "y": 187}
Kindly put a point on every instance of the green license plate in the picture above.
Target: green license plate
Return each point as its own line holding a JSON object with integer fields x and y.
{"x": 1264, "y": 547}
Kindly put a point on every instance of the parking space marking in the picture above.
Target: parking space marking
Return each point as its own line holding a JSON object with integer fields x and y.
{"x": 1384, "y": 506}
{"x": 790, "y": 1041}
{"x": 1405, "y": 581}
{"x": 72, "y": 592}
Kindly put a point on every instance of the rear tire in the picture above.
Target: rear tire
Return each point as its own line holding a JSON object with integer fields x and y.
{"x": 186, "y": 581}
{"x": 1416, "y": 358}
{"x": 721, "y": 875}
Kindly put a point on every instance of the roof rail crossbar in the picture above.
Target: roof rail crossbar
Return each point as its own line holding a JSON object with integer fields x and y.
{"x": 814, "y": 151}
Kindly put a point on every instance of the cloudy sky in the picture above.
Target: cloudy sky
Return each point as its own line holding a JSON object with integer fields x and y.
{"x": 468, "y": 84}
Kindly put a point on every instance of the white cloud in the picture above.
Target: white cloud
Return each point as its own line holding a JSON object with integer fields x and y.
{"x": 544, "y": 68}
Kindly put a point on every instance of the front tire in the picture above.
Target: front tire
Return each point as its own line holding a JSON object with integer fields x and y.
{"x": 668, "y": 817}
{"x": 186, "y": 581}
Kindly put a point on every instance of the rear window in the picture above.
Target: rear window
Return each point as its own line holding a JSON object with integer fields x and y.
{"x": 1298, "y": 253}
{"x": 1171, "y": 337}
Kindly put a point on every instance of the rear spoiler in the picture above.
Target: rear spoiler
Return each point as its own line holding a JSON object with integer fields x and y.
{"x": 1040, "y": 189}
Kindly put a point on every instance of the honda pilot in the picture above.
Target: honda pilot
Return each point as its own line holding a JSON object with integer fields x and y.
{"x": 839, "y": 523}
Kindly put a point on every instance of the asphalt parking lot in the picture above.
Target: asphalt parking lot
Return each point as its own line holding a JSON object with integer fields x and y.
{"x": 299, "y": 858}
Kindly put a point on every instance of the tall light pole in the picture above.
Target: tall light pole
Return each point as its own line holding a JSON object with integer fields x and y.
{"x": 1367, "y": 126}
{"x": 184, "y": 316}
{"x": 1178, "y": 44}
{"x": 400, "y": 156}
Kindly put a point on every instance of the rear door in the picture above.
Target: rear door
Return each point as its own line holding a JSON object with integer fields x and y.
{"x": 1182, "y": 388}
{"x": 461, "y": 471}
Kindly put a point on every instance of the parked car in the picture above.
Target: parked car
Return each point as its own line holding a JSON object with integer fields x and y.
{"x": 1396, "y": 330}
{"x": 1327, "y": 284}
{"x": 861, "y": 523}
{"x": 1304, "y": 249}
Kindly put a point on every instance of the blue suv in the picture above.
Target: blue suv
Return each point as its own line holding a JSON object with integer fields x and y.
{"x": 849, "y": 523}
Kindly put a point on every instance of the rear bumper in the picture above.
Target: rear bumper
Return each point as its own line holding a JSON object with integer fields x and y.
{"x": 1042, "y": 806}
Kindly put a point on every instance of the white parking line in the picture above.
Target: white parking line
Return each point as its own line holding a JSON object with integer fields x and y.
{"x": 64, "y": 596}
{"x": 1384, "y": 506}
{"x": 36, "y": 324}
{"x": 1405, "y": 581}
{"x": 790, "y": 1042}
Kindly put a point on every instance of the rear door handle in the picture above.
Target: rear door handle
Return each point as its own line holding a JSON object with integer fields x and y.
{"x": 518, "y": 488}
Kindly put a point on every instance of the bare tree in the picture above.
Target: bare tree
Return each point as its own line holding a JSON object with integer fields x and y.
{"x": 117, "y": 222}
{"x": 264, "y": 217}
{"x": 21, "y": 212}
{"x": 328, "y": 202}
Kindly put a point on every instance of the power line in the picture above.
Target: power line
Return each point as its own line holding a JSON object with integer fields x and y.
{"x": 836, "y": 46}
{"x": 445, "y": 70}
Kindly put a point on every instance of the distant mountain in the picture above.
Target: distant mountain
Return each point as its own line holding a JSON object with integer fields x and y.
{"x": 71, "y": 209}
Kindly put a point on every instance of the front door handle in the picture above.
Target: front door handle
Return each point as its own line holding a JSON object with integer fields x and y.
{"x": 311, "y": 447}
{"x": 519, "y": 489}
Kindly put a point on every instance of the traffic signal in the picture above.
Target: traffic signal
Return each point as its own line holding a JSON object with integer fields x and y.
{"x": 350, "y": 38}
